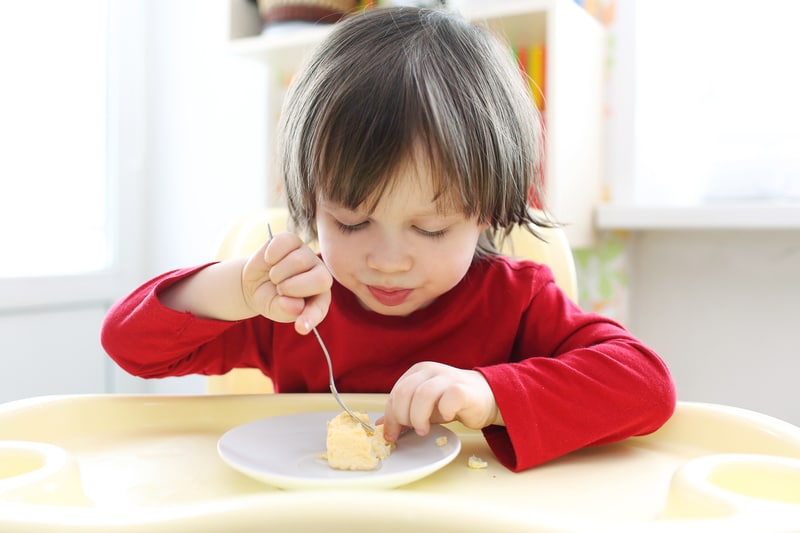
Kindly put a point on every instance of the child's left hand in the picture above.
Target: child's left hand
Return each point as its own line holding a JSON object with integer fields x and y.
{"x": 434, "y": 393}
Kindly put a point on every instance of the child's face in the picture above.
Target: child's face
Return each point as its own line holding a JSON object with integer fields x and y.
{"x": 404, "y": 254}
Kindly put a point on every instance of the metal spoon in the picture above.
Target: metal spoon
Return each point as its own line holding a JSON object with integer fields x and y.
{"x": 335, "y": 392}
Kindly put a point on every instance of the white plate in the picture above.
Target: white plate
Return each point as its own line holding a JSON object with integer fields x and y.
{"x": 285, "y": 451}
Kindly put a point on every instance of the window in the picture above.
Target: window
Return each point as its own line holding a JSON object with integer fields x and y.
{"x": 72, "y": 104}
{"x": 717, "y": 112}
{"x": 53, "y": 100}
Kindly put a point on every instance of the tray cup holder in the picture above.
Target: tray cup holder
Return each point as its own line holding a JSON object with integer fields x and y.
{"x": 716, "y": 486}
{"x": 39, "y": 473}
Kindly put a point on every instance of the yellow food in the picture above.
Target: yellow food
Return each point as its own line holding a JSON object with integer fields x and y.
{"x": 351, "y": 447}
{"x": 476, "y": 462}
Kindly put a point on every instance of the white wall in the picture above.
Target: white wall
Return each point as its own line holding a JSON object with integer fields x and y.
{"x": 206, "y": 116}
{"x": 189, "y": 161}
{"x": 722, "y": 308}
{"x": 206, "y": 132}
{"x": 51, "y": 352}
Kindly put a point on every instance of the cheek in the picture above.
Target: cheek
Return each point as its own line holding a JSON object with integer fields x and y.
{"x": 334, "y": 249}
{"x": 451, "y": 259}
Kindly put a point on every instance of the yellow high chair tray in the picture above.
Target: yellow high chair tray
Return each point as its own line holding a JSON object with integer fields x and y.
{"x": 150, "y": 463}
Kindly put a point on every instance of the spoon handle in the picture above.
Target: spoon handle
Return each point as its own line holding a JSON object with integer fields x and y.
{"x": 335, "y": 392}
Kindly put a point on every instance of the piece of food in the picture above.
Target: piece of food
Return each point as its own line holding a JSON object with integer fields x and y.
{"x": 441, "y": 441}
{"x": 476, "y": 462}
{"x": 351, "y": 447}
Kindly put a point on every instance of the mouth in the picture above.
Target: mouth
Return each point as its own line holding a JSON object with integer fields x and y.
{"x": 390, "y": 297}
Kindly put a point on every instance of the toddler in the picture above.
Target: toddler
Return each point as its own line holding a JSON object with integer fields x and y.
{"x": 409, "y": 146}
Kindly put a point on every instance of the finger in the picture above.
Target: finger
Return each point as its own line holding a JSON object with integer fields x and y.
{"x": 314, "y": 311}
{"x": 396, "y": 413}
{"x": 282, "y": 246}
{"x": 403, "y": 391}
{"x": 452, "y": 402}
{"x": 257, "y": 290}
{"x": 292, "y": 264}
{"x": 392, "y": 429}
{"x": 312, "y": 280}
{"x": 424, "y": 404}
{"x": 256, "y": 269}
{"x": 403, "y": 394}
{"x": 289, "y": 307}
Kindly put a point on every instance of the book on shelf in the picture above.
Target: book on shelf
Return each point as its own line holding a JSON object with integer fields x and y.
{"x": 532, "y": 63}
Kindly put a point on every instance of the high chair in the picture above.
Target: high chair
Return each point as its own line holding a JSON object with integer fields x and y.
{"x": 249, "y": 232}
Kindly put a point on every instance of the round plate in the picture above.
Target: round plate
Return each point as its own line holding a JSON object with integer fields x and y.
{"x": 286, "y": 451}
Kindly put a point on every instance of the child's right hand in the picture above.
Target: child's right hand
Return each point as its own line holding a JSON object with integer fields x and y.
{"x": 286, "y": 282}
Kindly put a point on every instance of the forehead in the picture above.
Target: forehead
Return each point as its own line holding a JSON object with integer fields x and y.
{"x": 416, "y": 186}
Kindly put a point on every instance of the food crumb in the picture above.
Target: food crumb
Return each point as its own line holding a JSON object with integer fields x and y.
{"x": 476, "y": 462}
{"x": 441, "y": 441}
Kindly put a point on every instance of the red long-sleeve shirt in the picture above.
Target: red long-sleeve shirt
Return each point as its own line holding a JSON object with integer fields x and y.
{"x": 562, "y": 379}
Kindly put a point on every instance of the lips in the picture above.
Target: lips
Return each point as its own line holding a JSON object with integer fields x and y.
{"x": 388, "y": 296}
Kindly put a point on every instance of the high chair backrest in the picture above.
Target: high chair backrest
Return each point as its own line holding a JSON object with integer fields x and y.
{"x": 250, "y": 231}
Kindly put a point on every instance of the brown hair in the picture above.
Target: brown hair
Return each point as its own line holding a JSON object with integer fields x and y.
{"x": 391, "y": 84}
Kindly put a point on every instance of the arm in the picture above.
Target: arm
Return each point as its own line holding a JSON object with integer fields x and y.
{"x": 596, "y": 384}
{"x": 283, "y": 281}
{"x": 194, "y": 320}
{"x": 557, "y": 378}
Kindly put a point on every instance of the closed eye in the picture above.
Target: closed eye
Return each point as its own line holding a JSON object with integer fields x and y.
{"x": 351, "y": 228}
{"x": 431, "y": 234}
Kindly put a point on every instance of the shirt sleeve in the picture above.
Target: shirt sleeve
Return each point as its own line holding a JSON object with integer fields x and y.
{"x": 149, "y": 340}
{"x": 580, "y": 380}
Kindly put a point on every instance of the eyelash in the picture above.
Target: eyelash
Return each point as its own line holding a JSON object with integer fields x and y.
{"x": 432, "y": 234}
{"x": 347, "y": 228}
{"x": 352, "y": 228}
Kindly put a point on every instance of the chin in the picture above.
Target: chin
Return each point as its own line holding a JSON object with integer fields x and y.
{"x": 400, "y": 310}
{"x": 394, "y": 311}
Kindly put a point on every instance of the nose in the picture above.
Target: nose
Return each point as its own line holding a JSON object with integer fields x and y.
{"x": 389, "y": 255}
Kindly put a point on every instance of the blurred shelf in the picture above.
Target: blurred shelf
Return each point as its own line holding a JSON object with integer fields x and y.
{"x": 755, "y": 216}
{"x": 281, "y": 48}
